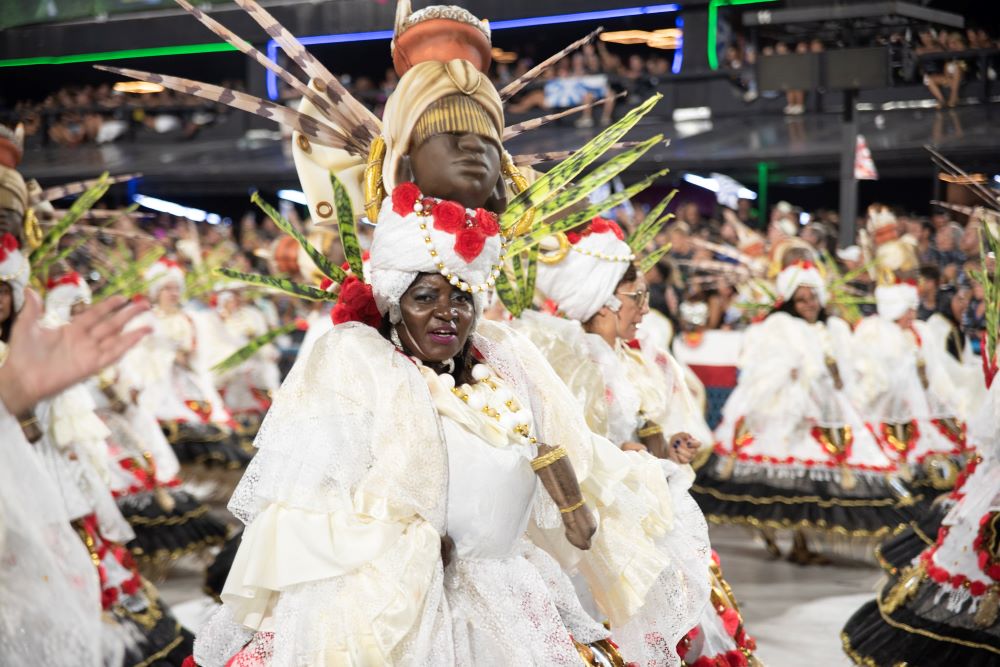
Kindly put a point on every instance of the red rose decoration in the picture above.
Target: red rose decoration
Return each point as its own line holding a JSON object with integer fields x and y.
{"x": 449, "y": 217}
{"x": 356, "y": 303}
{"x": 735, "y": 659}
{"x": 404, "y": 197}
{"x": 469, "y": 243}
{"x": 977, "y": 588}
{"x": 487, "y": 222}
{"x": 189, "y": 662}
{"x": 574, "y": 237}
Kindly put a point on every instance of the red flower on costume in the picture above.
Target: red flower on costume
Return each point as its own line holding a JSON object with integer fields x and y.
{"x": 449, "y": 217}
{"x": 404, "y": 197}
{"x": 602, "y": 225}
{"x": 71, "y": 278}
{"x": 356, "y": 303}
{"x": 8, "y": 244}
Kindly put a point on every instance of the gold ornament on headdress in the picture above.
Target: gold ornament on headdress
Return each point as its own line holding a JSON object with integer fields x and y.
{"x": 33, "y": 234}
{"x": 557, "y": 255}
{"x": 374, "y": 188}
{"x": 518, "y": 184}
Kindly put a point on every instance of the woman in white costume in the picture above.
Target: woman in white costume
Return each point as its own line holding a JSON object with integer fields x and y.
{"x": 168, "y": 372}
{"x": 792, "y": 451}
{"x": 636, "y": 398}
{"x": 942, "y": 608}
{"x": 50, "y": 590}
{"x": 906, "y": 392}
{"x": 51, "y": 611}
{"x": 141, "y": 467}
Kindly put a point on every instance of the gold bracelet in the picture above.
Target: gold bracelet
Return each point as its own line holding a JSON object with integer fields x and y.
{"x": 545, "y": 460}
{"x": 572, "y": 508}
{"x": 28, "y": 422}
{"x": 651, "y": 429}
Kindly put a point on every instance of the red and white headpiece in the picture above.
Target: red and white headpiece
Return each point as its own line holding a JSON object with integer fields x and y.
{"x": 417, "y": 234}
{"x": 14, "y": 268}
{"x": 65, "y": 292}
{"x": 585, "y": 279}
{"x": 894, "y": 301}
{"x": 800, "y": 274}
{"x": 161, "y": 273}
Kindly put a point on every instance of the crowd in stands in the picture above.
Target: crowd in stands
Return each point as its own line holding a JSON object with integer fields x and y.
{"x": 90, "y": 114}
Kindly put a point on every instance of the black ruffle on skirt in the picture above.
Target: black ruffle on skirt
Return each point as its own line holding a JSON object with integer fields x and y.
{"x": 754, "y": 496}
{"x": 208, "y": 445}
{"x": 906, "y": 543}
{"x": 875, "y": 638}
{"x": 162, "y": 534}
{"x": 217, "y": 573}
{"x": 158, "y": 640}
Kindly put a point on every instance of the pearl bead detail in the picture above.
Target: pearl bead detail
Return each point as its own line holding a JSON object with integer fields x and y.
{"x": 600, "y": 255}
{"x": 510, "y": 416}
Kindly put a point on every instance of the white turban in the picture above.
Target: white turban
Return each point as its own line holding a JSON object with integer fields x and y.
{"x": 64, "y": 293}
{"x": 14, "y": 269}
{"x": 466, "y": 251}
{"x": 162, "y": 272}
{"x": 800, "y": 274}
{"x": 585, "y": 279}
{"x": 894, "y": 301}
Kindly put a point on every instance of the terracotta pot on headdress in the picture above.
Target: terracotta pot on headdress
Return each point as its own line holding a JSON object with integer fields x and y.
{"x": 442, "y": 33}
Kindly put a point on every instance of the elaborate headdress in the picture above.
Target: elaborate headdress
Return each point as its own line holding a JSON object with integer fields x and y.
{"x": 162, "y": 272}
{"x": 65, "y": 292}
{"x": 14, "y": 268}
{"x": 582, "y": 279}
{"x": 893, "y": 301}
{"x": 13, "y": 190}
{"x": 439, "y": 32}
{"x": 800, "y": 274}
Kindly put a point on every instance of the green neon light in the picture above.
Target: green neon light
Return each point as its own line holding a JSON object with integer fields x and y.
{"x": 762, "y": 180}
{"x": 713, "y": 25}
{"x": 153, "y": 52}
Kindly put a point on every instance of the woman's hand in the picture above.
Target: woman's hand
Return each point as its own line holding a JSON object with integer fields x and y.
{"x": 683, "y": 448}
{"x": 42, "y": 362}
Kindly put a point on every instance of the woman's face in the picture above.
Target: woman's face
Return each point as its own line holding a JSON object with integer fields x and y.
{"x": 6, "y": 302}
{"x": 437, "y": 319}
{"x": 461, "y": 167}
{"x": 170, "y": 296}
{"x": 635, "y": 304}
{"x": 806, "y": 303}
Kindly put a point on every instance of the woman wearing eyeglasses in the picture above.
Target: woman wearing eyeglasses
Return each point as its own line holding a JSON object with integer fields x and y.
{"x": 597, "y": 298}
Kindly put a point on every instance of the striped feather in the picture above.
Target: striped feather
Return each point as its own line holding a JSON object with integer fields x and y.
{"x": 320, "y": 101}
{"x": 515, "y": 86}
{"x": 326, "y": 267}
{"x": 560, "y": 175}
{"x": 69, "y": 189}
{"x": 281, "y": 284}
{"x": 512, "y": 131}
{"x": 346, "y": 226}
{"x": 320, "y": 132}
{"x": 362, "y": 124}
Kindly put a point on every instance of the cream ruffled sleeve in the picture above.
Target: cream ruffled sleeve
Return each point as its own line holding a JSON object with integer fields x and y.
{"x": 344, "y": 505}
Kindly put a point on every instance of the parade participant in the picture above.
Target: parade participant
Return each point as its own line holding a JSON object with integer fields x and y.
{"x": 411, "y": 360}
{"x": 792, "y": 451}
{"x": 142, "y": 468}
{"x": 906, "y": 393}
{"x": 52, "y": 601}
{"x": 169, "y": 376}
{"x": 642, "y": 405}
{"x": 941, "y": 609}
